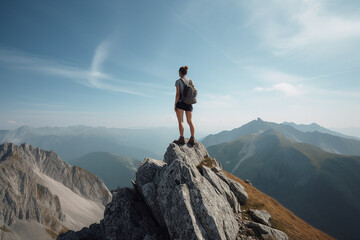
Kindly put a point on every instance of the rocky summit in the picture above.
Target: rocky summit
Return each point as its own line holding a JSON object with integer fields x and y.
{"x": 185, "y": 196}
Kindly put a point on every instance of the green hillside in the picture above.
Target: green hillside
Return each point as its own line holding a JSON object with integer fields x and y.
{"x": 114, "y": 170}
{"x": 320, "y": 187}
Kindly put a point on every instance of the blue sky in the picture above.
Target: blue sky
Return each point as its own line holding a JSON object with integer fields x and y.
{"x": 114, "y": 63}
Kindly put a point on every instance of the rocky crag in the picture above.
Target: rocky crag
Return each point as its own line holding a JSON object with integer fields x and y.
{"x": 41, "y": 195}
{"x": 186, "y": 196}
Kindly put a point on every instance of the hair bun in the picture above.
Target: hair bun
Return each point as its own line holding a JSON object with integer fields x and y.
{"x": 186, "y": 67}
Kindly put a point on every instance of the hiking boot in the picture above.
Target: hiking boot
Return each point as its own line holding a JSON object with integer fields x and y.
{"x": 181, "y": 140}
{"x": 192, "y": 141}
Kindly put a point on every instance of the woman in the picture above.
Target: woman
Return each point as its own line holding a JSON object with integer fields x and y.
{"x": 180, "y": 107}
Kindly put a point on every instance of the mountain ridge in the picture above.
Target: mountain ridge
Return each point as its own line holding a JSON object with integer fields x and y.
{"x": 325, "y": 141}
{"x": 300, "y": 176}
{"x": 41, "y": 195}
{"x": 313, "y": 127}
{"x": 75, "y": 141}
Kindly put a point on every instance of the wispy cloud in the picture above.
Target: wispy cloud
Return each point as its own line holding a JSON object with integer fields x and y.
{"x": 93, "y": 77}
{"x": 286, "y": 26}
{"x": 291, "y": 84}
{"x": 333, "y": 74}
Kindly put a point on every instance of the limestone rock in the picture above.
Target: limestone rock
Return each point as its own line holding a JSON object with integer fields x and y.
{"x": 186, "y": 196}
{"x": 260, "y": 216}
{"x": 32, "y": 184}
{"x": 222, "y": 187}
{"x": 239, "y": 191}
{"x": 266, "y": 232}
{"x": 190, "y": 205}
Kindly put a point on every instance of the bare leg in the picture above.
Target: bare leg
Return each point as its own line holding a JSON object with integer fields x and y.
{"x": 180, "y": 117}
{"x": 189, "y": 121}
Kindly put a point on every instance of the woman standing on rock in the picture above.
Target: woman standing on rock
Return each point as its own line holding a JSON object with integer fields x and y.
{"x": 181, "y": 106}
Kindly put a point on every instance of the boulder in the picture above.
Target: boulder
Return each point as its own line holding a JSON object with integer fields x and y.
{"x": 248, "y": 182}
{"x": 265, "y": 232}
{"x": 260, "y": 216}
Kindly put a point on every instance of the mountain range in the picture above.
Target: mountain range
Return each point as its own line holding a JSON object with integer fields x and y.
{"x": 76, "y": 141}
{"x": 325, "y": 141}
{"x": 313, "y": 127}
{"x": 353, "y": 131}
{"x": 307, "y": 168}
{"x": 320, "y": 187}
{"x": 41, "y": 195}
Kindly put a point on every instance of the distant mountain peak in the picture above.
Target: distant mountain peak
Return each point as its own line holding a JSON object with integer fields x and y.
{"x": 303, "y": 170}
{"x": 312, "y": 134}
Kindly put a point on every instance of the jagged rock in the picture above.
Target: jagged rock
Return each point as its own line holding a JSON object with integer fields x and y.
{"x": 181, "y": 197}
{"x": 126, "y": 217}
{"x": 235, "y": 187}
{"x": 93, "y": 232}
{"x": 266, "y": 232}
{"x": 260, "y": 216}
{"x": 190, "y": 205}
{"x": 147, "y": 171}
{"x": 32, "y": 184}
{"x": 222, "y": 187}
{"x": 24, "y": 195}
{"x": 239, "y": 191}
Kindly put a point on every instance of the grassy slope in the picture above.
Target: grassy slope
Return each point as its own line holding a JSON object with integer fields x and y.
{"x": 282, "y": 218}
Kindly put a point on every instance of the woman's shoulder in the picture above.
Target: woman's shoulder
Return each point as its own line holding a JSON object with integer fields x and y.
{"x": 177, "y": 82}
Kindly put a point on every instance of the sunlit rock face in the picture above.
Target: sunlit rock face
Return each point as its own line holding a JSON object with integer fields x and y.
{"x": 185, "y": 196}
{"x": 41, "y": 195}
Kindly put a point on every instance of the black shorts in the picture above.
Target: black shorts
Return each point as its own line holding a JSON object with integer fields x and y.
{"x": 184, "y": 106}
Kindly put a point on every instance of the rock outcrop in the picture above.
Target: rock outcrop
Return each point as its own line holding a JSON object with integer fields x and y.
{"x": 37, "y": 186}
{"x": 186, "y": 196}
{"x": 260, "y": 216}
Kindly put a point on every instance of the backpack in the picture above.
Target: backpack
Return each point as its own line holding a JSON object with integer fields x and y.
{"x": 189, "y": 93}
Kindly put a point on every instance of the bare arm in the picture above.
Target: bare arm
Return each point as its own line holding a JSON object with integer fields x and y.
{"x": 177, "y": 96}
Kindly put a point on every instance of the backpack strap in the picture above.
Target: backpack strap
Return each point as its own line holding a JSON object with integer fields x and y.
{"x": 191, "y": 83}
{"x": 183, "y": 81}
